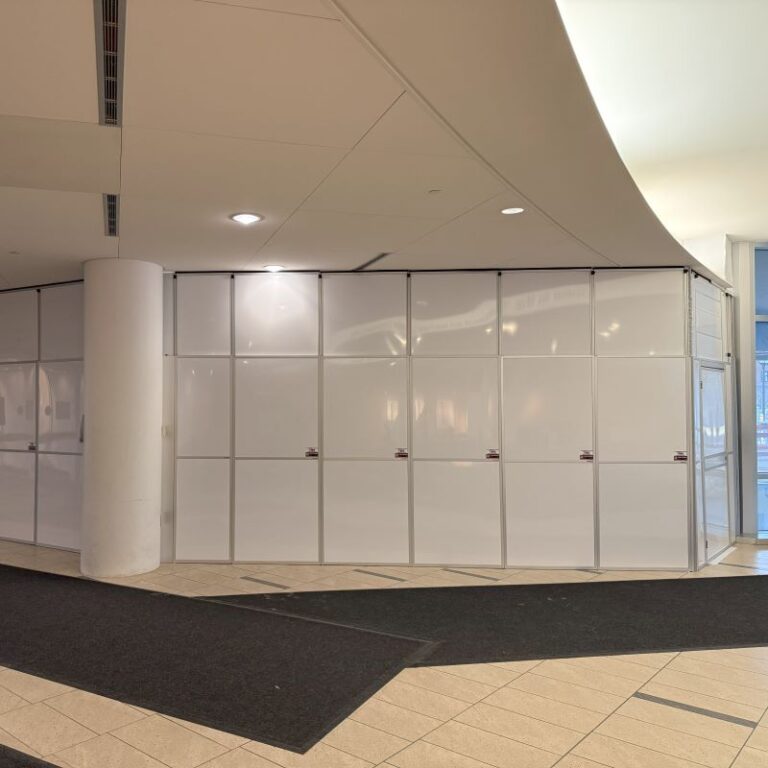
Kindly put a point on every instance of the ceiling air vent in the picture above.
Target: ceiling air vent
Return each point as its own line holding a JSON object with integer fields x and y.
{"x": 111, "y": 212}
{"x": 109, "y": 55}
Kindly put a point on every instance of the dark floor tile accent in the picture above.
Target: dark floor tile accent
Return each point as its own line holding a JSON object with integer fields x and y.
{"x": 469, "y": 573}
{"x": 264, "y": 581}
{"x": 380, "y": 575}
{"x": 697, "y": 710}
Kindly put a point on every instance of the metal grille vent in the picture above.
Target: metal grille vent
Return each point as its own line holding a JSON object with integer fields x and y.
{"x": 109, "y": 38}
{"x": 111, "y": 212}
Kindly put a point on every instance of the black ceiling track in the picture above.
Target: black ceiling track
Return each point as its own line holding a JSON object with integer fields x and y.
{"x": 371, "y": 262}
{"x": 110, "y": 35}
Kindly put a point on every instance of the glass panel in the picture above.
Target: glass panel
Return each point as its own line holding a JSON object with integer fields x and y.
{"x": 716, "y": 493}
{"x": 761, "y": 338}
{"x": 713, "y": 410}
{"x": 762, "y": 504}
{"x": 761, "y": 282}
{"x": 761, "y": 402}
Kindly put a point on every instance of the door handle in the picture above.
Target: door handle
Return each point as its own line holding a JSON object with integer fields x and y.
{"x": 31, "y": 446}
{"x": 492, "y": 453}
{"x": 586, "y": 455}
{"x": 401, "y": 453}
{"x": 311, "y": 453}
{"x": 680, "y": 456}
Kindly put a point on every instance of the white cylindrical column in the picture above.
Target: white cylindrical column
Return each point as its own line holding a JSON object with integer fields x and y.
{"x": 123, "y": 417}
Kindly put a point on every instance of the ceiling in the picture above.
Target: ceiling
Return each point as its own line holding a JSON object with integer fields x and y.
{"x": 355, "y": 127}
{"x": 681, "y": 87}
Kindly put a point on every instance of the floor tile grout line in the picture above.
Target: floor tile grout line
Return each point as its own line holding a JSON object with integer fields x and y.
{"x": 389, "y": 733}
{"x": 658, "y": 672}
{"x": 483, "y": 701}
{"x": 655, "y": 751}
{"x": 423, "y": 688}
{"x": 519, "y": 714}
{"x": 32, "y": 751}
{"x": 576, "y": 685}
{"x": 591, "y": 759}
{"x": 677, "y": 730}
{"x": 184, "y": 724}
{"x": 697, "y": 656}
{"x": 649, "y": 748}
{"x": 116, "y": 735}
{"x": 599, "y": 690}
{"x": 617, "y": 657}
{"x": 714, "y": 679}
{"x": 58, "y": 755}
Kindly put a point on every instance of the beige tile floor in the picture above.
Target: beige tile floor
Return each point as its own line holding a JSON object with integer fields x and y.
{"x": 664, "y": 710}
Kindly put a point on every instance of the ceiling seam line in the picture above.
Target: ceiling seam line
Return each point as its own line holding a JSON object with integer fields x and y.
{"x": 326, "y": 176}
{"x": 270, "y": 10}
{"x": 206, "y": 134}
{"x": 416, "y": 93}
{"x": 446, "y": 223}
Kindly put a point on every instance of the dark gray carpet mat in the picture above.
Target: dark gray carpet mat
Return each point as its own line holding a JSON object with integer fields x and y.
{"x": 10, "y": 758}
{"x": 508, "y": 623}
{"x": 281, "y": 680}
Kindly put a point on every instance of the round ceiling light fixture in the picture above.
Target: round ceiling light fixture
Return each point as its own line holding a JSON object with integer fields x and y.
{"x": 246, "y": 218}
{"x": 274, "y": 268}
{"x": 511, "y": 211}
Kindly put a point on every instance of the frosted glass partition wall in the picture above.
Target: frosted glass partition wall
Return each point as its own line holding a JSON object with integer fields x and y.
{"x": 41, "y": 419}
{"x": 524, "y": 418}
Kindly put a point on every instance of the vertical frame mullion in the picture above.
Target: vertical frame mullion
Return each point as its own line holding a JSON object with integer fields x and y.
{"x": 595, "y": 445}
{"x": 175, "y": 351}
{"x": 38, "y": 355}
{"x": 500, "y": 407}
{"x": 232, "y": 420}
{"x": 320, "y": 424}
{"x": 409, "y": 422}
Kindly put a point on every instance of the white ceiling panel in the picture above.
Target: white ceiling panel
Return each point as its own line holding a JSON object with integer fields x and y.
{"x": 408, "y": 127}
{"x": 188, "y": 234}
{"x": 48, "y": 59}
{"x": 35, "y": 269}
{"x": 515, "y": 93}
{"x": 302, "y": 7}
{"x": 234, "y": 71}
{"x": 46, "y": 235}
{"x": 233, "y": 174}
{"x": 395, "y": 184}
{"x": 319, "y": 240}
{"x": 59, "y": 155}
{"x": 486, "y": 238}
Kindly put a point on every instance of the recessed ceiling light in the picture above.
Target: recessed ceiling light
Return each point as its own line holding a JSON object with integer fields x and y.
{"x": 511, "y": 211}
{"x": 246, "y": 218}
{"x": 274, "y": 268}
